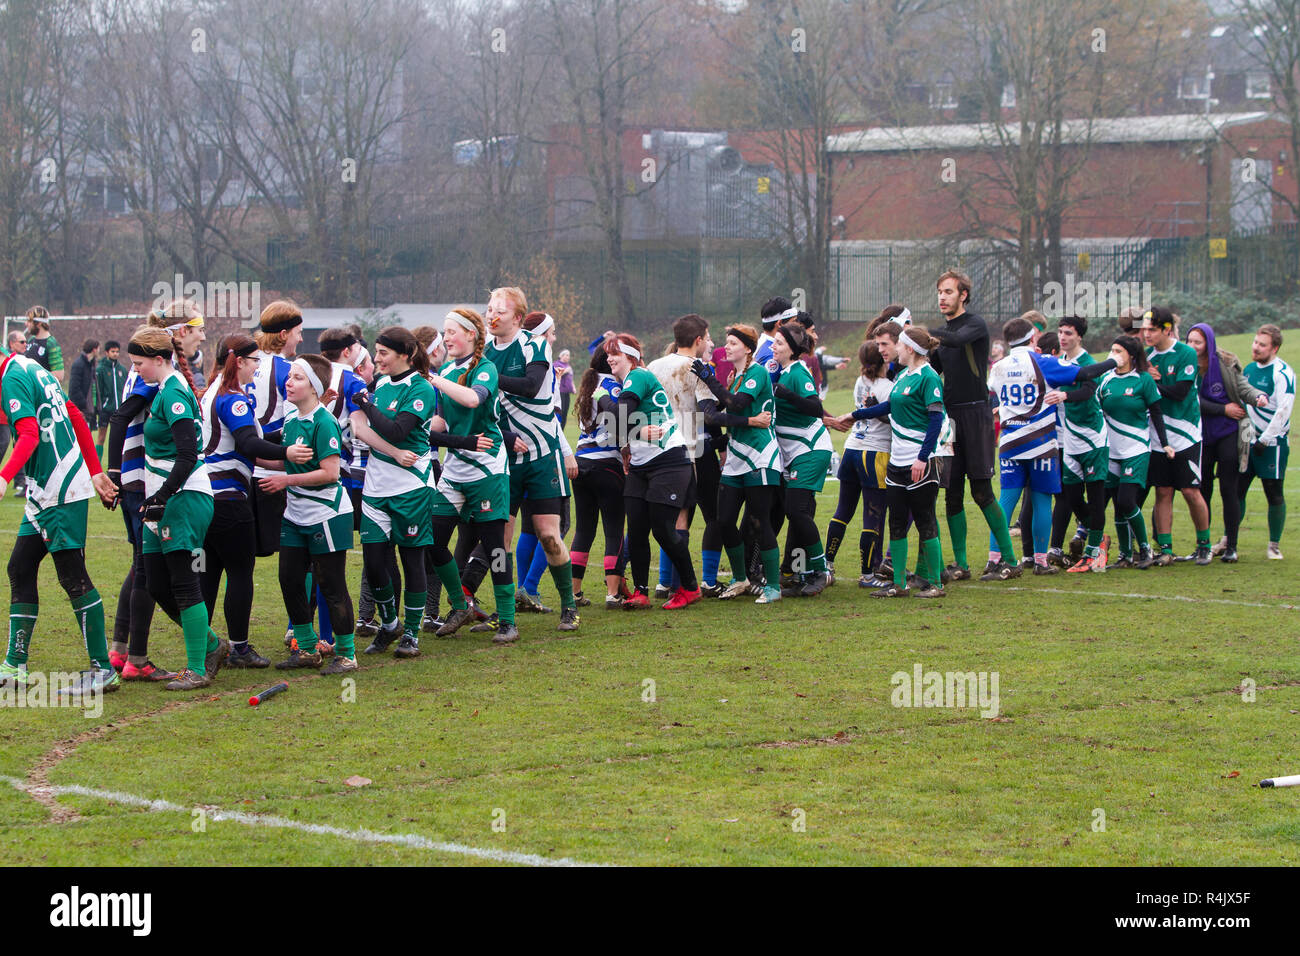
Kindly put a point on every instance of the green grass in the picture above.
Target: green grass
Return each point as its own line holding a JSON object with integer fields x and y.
{"x": 1128, "y": 705}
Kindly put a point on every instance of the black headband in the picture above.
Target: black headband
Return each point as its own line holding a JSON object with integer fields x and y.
{"x": 796, "y": 348}
{"x": 246, "y": 350}
{"x": 393, "y": 345}
{"x": 282, "y": 323}
{"x": 147, "y": 351}
{"x": 346, "y": 342}
{"x": 751, "y": 343}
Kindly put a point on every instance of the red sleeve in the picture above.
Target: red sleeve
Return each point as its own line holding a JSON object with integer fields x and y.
{"x": 84, "y": 440}
{"x": 28, "y": 438}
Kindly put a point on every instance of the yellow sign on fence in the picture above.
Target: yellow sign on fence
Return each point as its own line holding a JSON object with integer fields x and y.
{"x": 1218, "y": 248}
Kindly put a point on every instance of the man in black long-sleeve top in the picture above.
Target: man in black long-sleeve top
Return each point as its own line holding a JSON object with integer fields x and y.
{"x": 962, "y": 358}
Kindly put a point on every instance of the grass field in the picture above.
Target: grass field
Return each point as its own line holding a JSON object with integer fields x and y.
{"x": 768, "y": 735}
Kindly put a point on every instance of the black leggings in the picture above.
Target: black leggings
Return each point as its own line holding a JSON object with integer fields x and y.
{"x": 374, "y": 557}
{"x": 25, "y": 561}
{"x": 916, "y": 504}
{"x": 1223, "y": 454}
{"x": 708, "y": 474}
{"x": 873, "y": 514}
{"x": 173, "y": 582}
{"x": 981, "y": 489}
{"x": 229, "y": 548}
{"x": 1085, "y": 501}
{"x": 1127, "y": 500}
{"x": 645, "y": 518}
{"x": 803, "y": 536}
{"x": 598, "y": 492}
{"x": 329, "y": 574}
{"x": 757, "y": 502}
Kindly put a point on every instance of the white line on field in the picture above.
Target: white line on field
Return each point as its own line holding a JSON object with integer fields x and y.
{"x": 1155, "y": 597}
{"x": 413, "y": 840}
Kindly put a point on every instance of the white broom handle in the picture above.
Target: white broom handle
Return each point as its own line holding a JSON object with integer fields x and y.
{"x": 1292, "y": 781}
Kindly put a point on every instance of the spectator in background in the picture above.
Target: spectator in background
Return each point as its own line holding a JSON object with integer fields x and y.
{"x": 997, "y": 352}
{"x": 564, "y": 371}
{"x": 42, "y": 347}
{"x": 110, "y": 378}
{"x": 81, "y": 381}
{"x": 196, "y": 366}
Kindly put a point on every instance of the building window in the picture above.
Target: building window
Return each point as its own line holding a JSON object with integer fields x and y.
{"x": 1258, "y": 86}
{"x": 1009, "y": 96}
{"x": 1193, "y": 87}
{"x": 942, "y": 98}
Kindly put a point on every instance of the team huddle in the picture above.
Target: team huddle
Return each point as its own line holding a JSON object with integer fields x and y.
{"x": 456, "y": 432}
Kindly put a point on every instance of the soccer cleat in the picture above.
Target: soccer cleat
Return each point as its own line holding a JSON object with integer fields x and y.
{"x": 431, "y": 622}
{"x": 891, "y": 590}
{"x": 755, "y": 587}
{"x": 506, "y": 634}
{"x": 991, "y": 566}
{"x": 931, "y": 591}
{"x": 815, "y": 584}
{"x": 1103, "y": 553}
{"x": 1077, "y": 544}
{"x": 340, "y": 665}
{"x": 1082, "y": 565}
{"x": 288, "y": 637}
{"x": 1202, "y": 556}
{"x": 529, "y": 604}
{"x": 957, "y": 573}
{"x": 769, "y": 596}
{"x": 637, "y": 602}
{"x": 486, "y": 626}
{"x": 830, "y": 574}
{"x": 457, "y": 619}
{"x": 116, "y": 661}
{"x": 324, "y": 648}
{"x": 1219, "y": 546}
{"x": 711, "y": 590}
{"x": 1229, "y": 556}
{"x": 1125, "y": 563}
{"x": 1162, "y": 560}
{"x": 791, "y": 585}
{"x": 613, "y": 602}
{"x": 569, "y": 619}
{"x": 245, "y": 658}
{"x": 1274, "y": 552}
{"x": 1001, "y": 571}
{"x": 367, "y": 628}
{"x": 734, "y": 590}
{"x": 408, "y": 646}
{"x": 149, "y": 672}
{"x": 188, "y": 680}
{"x": 93, "y": 681}
{"x": 886, "y": 571}
{"x": 1056, "y": 558}
{"x": 212, "y": 663}
{"x": 480, "y": 615}
{"x": 1026, "y": 562}
{"x": 683, "y": 598}
{"x": 384, "y": 638}
{"x": 12, "y": 674}
{"x": 297, "y": 659}
{"x": 1044, "y": 569}
{"x": 1144, "y": 559}
{"x": 581, "y": 600}
{"x": 662, "y": 591}
{"x": 867, "y": 581}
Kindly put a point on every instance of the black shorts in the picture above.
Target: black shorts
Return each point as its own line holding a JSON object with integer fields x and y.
{"x": 974, "y": 452}
{"x": 268, "y": 511}
{"x": 1181, "y": 471}
{"x": 671, "y": 483}
{"x": 901, "y": 477}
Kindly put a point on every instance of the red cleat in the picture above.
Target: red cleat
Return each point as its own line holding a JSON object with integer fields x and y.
{"x": 150, "y": 672}
{"x": 118, "y": 661}
{"x": 682, "y": 598}
{"x": 636, "y": 602}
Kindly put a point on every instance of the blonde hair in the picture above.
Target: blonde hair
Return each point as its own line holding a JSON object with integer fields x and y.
{"x": 516, "y": 296}
{"x": 177, "y": 311}
{"x": 273, "y": 342}
{"x": 480, "y": 340}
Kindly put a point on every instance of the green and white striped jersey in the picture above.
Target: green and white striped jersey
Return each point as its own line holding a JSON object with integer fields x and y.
{"x": 1124, "y": 401}
{"x": 1182, "y": 418}
{"x": 468, "y": 464}
{"x": 1277, "y": 381}
{"x": 56, "y": 473}
{"x": 174, "y": 402}
{"x": 1084, "y": 424}
{"x": 320, "y": 432}
{"x": 751, "y": 448}
{"x": 914, "y": 391}
{"x": 411, "y": 393}
{"x": 797, "y": 433}
{"x": 653, "y": 408}
{"x": 532, "y": 419}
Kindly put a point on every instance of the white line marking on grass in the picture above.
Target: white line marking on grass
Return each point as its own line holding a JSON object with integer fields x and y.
{"x": 1155, "y": 597}
{"x": 412, "y": 840}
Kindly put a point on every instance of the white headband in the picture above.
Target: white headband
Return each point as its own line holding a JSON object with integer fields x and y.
{"x": 903, "y": 318}
{"x": 1024, "y": 338}
{"x": 787, "y": 314}
{"x": 361, "y": 357}
{"x": 433, "y": 346}
{"x": 301, "y": 365}
{"x": 911, "y": 343}
{"x": 463, "y": 322}
{"x": 544, "y": 326}
{"x": 628, "y": 350}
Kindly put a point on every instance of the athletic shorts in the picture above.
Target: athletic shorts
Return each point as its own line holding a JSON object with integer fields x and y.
{"x": 865, "y": 467}
{"x": 184, "y": 524}
{"x": 538, "y": 481}
{"x": 268, "y": 512}
{"x": 129, "y": 503}
{"x": 487, "y": 499}
{"x": 669, "y": 484}
{"x": 1042, "y": 475}
{"x": 61, "y": 527}
{"x": 322, "y": 538}
{"x": 808, "y": 471}
{"x": 1127, "y": 471}
{"x": 753, "y": 479}
{"x": 1081, "y": 469}
{"x": 1181, "y": 471}
{"x": 944, "y": 464}
{"x": 1271, "y": 462}
{"x": 974, "y": 445}
{"x": 402, "y": 519}
{"x": 900, "y": 476}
